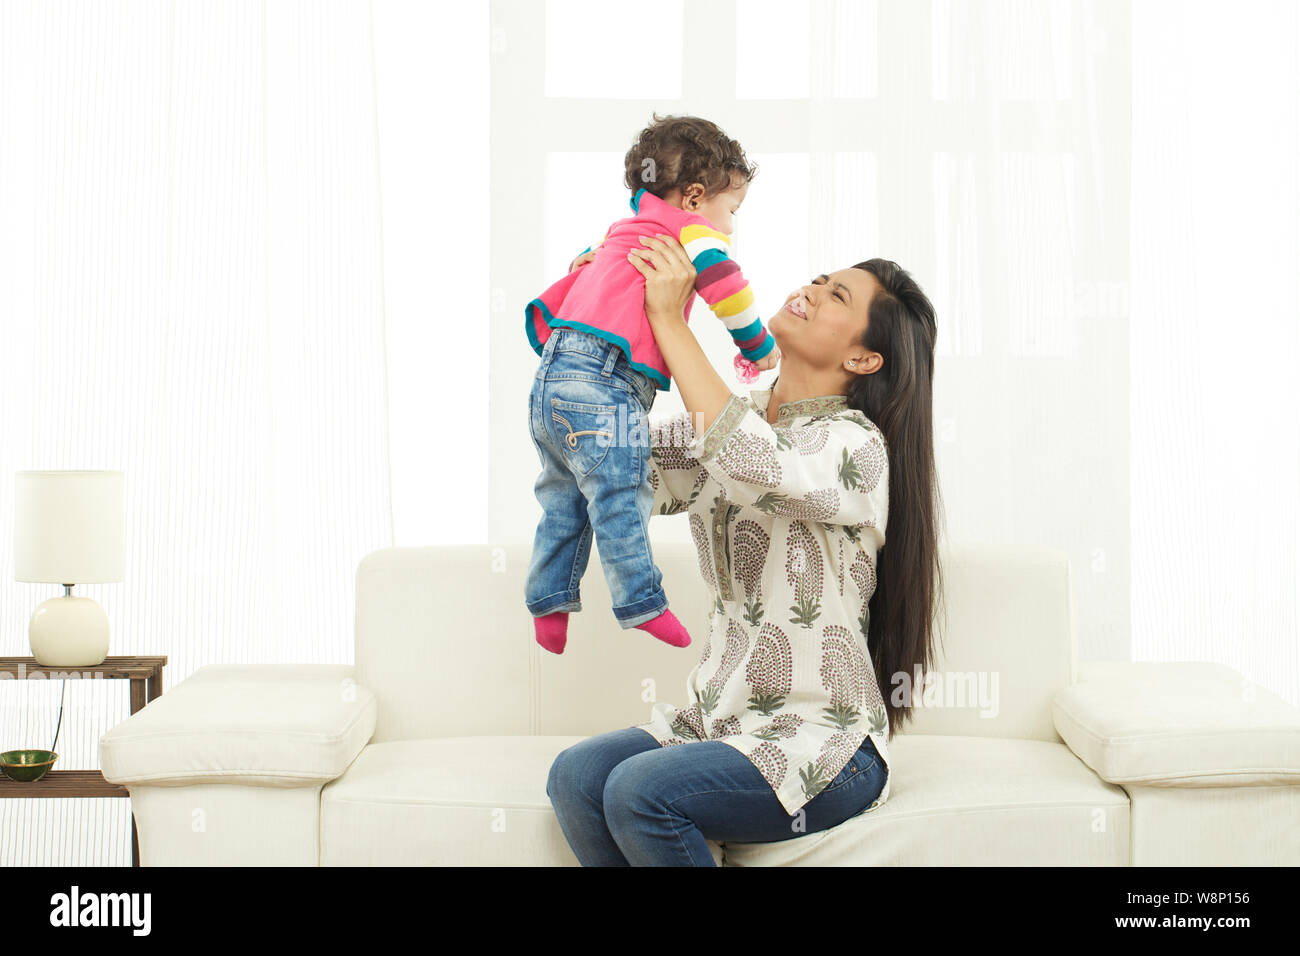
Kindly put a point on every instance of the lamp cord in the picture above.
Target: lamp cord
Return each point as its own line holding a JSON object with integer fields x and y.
{"x": 60, "y": 723}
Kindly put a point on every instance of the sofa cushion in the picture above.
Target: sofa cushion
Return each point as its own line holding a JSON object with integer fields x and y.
{"x": 279, "y": 725}
{"x": 970, "y": 801}
{"x": 449, "y": 801}
{"x": 1178, "y": 724}
{"x": 957, "y": 800}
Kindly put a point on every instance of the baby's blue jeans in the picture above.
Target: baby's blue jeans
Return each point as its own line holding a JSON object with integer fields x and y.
{"x": 624, "y": 800}
{"x": 587, "y": 413}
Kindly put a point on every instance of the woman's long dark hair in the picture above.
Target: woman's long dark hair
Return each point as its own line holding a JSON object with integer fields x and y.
{"x": 898, "y": 398}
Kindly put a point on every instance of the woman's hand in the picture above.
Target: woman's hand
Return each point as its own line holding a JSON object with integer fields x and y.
{"x": 669, "y": 277}
{"x": 669, "y": 285}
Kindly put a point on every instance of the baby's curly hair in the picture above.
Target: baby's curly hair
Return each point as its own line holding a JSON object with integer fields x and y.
{"x": 675, "y": 151}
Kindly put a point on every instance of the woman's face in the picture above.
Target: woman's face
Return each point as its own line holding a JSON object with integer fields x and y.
{"x": 822, "y": 323}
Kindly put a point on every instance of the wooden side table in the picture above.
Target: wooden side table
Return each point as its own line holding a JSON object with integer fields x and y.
{"x": 145, "y": 675}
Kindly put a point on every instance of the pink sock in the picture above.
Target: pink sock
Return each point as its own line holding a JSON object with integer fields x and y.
{"x": 552, "y": 630}
{"x": 668, "y": 629}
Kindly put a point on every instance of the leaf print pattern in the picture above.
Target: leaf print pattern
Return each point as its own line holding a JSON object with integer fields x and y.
{"x": 668, "y": 505}
{"x": 771, "y": 763}
{"x": 769, "y": 670}
{"x": 809, "y": 441}
{"x": 870, "y": 463}
{"x": 672, "y": 465}
{"x": 863, "y": 573}
{"x": 850, "y": 472}
{"x": 674, "y": 458}
{"x": 703, "y": 550}
{"x": 790, "y": 681}
{"x": 750, "y": 555}
{"x": 782, "y": 727}
{"x": 803, "y": 572}
{"x": 813, "y": 506}
{"x": 727, "y": 726}
{"x": 837, "y": 751}
{"x": 839, "y": 563}
{"x": 815, "y": 776}
{"x": 750, "y": 459}
{"x": 708, "y": 648}
{"x": 877, "y": 719}
{"x": 846, "y": 674}
{"x": 736, "y": 651}
{"x": 701, "y": 479}
{"x": 689, "y": 723}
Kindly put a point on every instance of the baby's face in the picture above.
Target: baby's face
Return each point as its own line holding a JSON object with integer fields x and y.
{"x": 721, "y": 208}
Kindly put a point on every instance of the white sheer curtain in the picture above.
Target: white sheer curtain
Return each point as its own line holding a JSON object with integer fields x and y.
{"x": 1215, "y": 337}
{"x": 191, "y": 292}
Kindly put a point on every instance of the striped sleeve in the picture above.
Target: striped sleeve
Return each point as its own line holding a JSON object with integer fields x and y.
{"x": 721, "y": 284}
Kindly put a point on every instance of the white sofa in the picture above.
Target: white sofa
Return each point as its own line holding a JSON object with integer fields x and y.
{"x": 434, "y": 749}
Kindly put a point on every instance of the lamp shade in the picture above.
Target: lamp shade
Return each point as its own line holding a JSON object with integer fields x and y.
{"x": 70, "y": 527}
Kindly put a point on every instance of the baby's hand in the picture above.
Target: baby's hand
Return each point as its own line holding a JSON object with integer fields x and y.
{"x": 769, "y": 360}
{"x": 582, "y": 260}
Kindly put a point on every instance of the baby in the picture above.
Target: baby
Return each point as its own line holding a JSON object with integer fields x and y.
{"x": 601, "y": 369}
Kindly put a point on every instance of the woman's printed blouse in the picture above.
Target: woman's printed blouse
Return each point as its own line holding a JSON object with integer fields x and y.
{"x": 787, "y": 519}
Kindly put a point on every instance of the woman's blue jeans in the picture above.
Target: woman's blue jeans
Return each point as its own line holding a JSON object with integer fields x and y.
{"x": 622, "y": 799}
{"x": 587, "y": 415}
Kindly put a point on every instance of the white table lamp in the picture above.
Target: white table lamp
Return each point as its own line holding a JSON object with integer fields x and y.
{"x": 69, "y": 528}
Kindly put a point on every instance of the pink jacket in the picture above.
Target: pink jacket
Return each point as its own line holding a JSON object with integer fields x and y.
{"x": 606, "y": 297}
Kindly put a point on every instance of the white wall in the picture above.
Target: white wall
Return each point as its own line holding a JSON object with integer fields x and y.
{"x": 1216, "y": 397}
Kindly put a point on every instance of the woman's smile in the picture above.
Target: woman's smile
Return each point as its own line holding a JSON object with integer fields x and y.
{"x": 799, "y": 306}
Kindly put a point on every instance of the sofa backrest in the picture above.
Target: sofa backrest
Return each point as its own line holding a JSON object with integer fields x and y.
{"x": 1006, "y": 644}
{"x": 444, "y": 641}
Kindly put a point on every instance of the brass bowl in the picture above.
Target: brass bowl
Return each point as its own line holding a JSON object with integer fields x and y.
{"x": 27, "y": 766}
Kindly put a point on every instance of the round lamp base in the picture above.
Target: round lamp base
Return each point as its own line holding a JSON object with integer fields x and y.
{"x": 69, "y": 632}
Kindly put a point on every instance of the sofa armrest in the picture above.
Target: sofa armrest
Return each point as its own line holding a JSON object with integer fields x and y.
{"x": 271, "y": 725}
{"x": 1178, "y": 724}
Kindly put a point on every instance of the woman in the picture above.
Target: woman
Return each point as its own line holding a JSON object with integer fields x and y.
{"x": 788, "y": 493}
